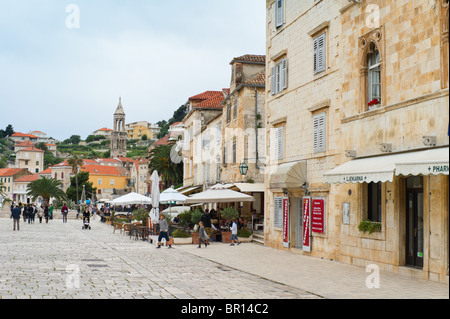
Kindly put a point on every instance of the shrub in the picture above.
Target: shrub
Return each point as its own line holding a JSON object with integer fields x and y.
{"x": 244, "y": 233}
{"x": 230, "y": 213}
{"x": 196, "y": 216}
{"x": 179, "y": 233}
{"x": 185, "y": 218}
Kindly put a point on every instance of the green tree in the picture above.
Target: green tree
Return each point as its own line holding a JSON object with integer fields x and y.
{"x": 75, "y": 139}
{"x": 82, "y": 178}
{"x": 172, "y": 173}
{"x": 75, "y": 162}
{"x": 46, "y": 188}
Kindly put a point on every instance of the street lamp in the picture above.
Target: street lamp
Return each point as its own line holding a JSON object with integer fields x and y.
{"x": 243, "y": 168}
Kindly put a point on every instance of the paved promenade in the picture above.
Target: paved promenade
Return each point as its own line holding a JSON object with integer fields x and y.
{"x": 62, "y": 261}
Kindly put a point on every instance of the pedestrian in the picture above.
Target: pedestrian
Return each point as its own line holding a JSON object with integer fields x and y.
{"x": 15, "y": 216}
{"x": 206, "y": 219}
{"x": 40, "y": 213}
{"x": 234, "y": 230}
{"x": 46, "y": 214}
{"x": 163, "y": 230}
{"x": 33, "y": 214}
{"x": 64, "y": 211}
{"x": 23, "y": 208}
{"x": 50, "y": 211}
{"x": 30, "y": 213}
{"x": 202, "y": 236}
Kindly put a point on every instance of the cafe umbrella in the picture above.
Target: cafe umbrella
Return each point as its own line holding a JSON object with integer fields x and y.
{"x": 154, "y": 213}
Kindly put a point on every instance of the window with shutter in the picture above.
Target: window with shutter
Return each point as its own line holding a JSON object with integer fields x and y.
{"x": 278, "y": 212}
{"x": 279, "y": 13}
{"x": 319, "y": 124}
{"x": 279, "y": 143}
{"x": 320, "y": 62}
{"x": 228, "y": 112}
{"x": 235, "y": 107}
{"x": 279, "y": 77}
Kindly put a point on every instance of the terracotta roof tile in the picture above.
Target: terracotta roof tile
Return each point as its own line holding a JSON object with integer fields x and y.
{"x": 261, "y": 59}
{"x": 27, "y": 178}
{"x": 101, "y": 170}
{"x": 258, "y": 79}
{"x": 9, "y": 171}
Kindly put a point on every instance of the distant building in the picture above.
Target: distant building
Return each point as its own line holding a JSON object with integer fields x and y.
{"x": 106, "y": 132}
{"x": 30, "y": 158}
{"x": 8, "y": 176}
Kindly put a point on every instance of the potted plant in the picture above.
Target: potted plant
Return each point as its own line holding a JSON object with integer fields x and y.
{"x": 374, "y": 104}
{"x": 245, "y": 235}
{"x": 369, "y": 226}
{"x": 181, "y": 237}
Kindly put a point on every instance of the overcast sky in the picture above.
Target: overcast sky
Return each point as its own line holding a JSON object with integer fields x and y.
{"x": 64, "y": 80}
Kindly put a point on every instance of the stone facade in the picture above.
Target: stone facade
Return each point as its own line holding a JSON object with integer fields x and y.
{"x": 409, "y": 79}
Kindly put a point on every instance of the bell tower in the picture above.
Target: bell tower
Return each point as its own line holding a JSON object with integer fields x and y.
{"x": 119, "y": 136}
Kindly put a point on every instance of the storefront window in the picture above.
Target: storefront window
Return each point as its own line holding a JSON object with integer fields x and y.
{"x": 374, "y": 202}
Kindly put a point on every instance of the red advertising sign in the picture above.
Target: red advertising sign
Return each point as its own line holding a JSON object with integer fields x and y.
{"x": 306, "y": 224}
{"x": 286, "y": 222}
{"x": 318, "y": 215}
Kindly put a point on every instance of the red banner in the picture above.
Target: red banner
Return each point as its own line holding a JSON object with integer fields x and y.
{"x": 285, "y": 222}
{"x": 318, "y": 215}
{"x": 306, "y": 223}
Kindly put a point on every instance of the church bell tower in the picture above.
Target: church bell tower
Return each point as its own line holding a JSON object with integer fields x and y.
{"x": 119, "y": 136}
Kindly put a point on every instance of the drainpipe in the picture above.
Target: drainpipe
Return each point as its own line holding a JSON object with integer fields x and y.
{"x": 256, "y": 127}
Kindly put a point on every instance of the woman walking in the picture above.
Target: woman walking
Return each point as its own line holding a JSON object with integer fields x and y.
{"x": 40, "y": 213}
{"x": 46, "y": 214}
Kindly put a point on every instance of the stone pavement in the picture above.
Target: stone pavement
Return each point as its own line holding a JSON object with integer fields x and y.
{"x": 62, "y": 261}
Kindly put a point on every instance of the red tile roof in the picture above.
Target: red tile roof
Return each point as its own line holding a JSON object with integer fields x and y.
{"x": 27, "y": 178}
{"x": 48, "y": 171}
{"x": 18, "y": 134}
{"x": 30, "y": 149}
{"x": 260, "y": 59}
{"x": 209, "y": 99}
{"x": 258, "y": 79}
{"x": 101, "y": 170}
{"x": 6, "y": 172}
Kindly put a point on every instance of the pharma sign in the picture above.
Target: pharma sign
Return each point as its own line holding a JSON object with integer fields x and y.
{"x": 318, "y": 215}
{"x": 307, "y": 224}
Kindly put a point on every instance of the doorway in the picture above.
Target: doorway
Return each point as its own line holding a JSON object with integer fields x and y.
{"x": 414, "y": 222}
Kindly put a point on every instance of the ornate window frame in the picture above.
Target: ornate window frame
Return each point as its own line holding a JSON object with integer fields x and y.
{"x": 375, "y": 36}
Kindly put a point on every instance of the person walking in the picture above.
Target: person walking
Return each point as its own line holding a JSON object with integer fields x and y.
{"x": 50, "y": 212}
{"x": 15, "y": 216}
{"x": 163, "y": 230}
{"x": 46, "y": 214}
{"x": 40, "y": 213}
{"x": 202, "y": 236}
{"x": 33, "y": 213}
{"x": 30, "y": 213}
{"x": 64, "y": 211}
{"x": 234, "y": 230}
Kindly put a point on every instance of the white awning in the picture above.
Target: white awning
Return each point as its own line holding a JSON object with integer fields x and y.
{"x": 190, "y": 190}
{"x": 250, "y": 187}
{"x": 289, "y": 176}
{"x": 382, "y": 168}
{"x": 431, "y": 162}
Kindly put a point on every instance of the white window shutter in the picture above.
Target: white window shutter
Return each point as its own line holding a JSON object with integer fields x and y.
{"x": 279, "y": 13}
{"x": 320, "y": 53}
{"x": 279, "y": 143}
{"x": 278, "y": 212}
{"x": 273, "y": 80}
{"x": 283, "y": 74}
{"x": 319, "y": 124}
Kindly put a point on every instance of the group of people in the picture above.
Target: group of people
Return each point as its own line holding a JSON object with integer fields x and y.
{"x": 206, "y": 222}
{"x": 29, "y": 212}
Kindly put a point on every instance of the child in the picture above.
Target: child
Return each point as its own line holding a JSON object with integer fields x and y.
{"x": 202, "y": 236}
{"x": 234, "y": 230}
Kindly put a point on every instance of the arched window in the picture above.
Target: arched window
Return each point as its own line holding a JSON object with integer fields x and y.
{"x": 373, "y": 77}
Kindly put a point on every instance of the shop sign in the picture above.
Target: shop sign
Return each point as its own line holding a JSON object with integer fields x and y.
{"x": 306, "y": 224}
{"x": 318, "y": 215}
{"x": 286, "y": 222}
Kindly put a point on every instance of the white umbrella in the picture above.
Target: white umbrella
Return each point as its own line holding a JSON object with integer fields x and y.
{"x": 219, "y": 194}
{"x": 171, "y": 196}
{"x": 154, "y": 214}
{"x": 176, "y": 210}
{"x": 132, "y": 199}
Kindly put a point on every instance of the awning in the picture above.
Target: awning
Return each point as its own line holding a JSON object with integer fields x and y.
{"x": 190, "y": 190}
{"x": 383, "y": 168}
{"x": 250, "y": 187}
{"x": 289, "y": 176}
{"x": 219, "y": 194}
{"x": 431, "y": 162}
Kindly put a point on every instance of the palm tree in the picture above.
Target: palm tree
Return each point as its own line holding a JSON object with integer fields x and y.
{"x": 75, "y": 162}
{"x": 160, "y": 160}
{"x": 46, "y": 188}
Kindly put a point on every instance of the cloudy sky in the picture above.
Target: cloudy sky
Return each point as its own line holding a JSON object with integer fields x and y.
{"x": 64, "y": 79}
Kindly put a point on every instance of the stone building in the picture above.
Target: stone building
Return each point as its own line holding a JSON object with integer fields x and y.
{"x": 358, "y": 132}
{"x": 119, "y": 135}
{"x": 243, "y": 130}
